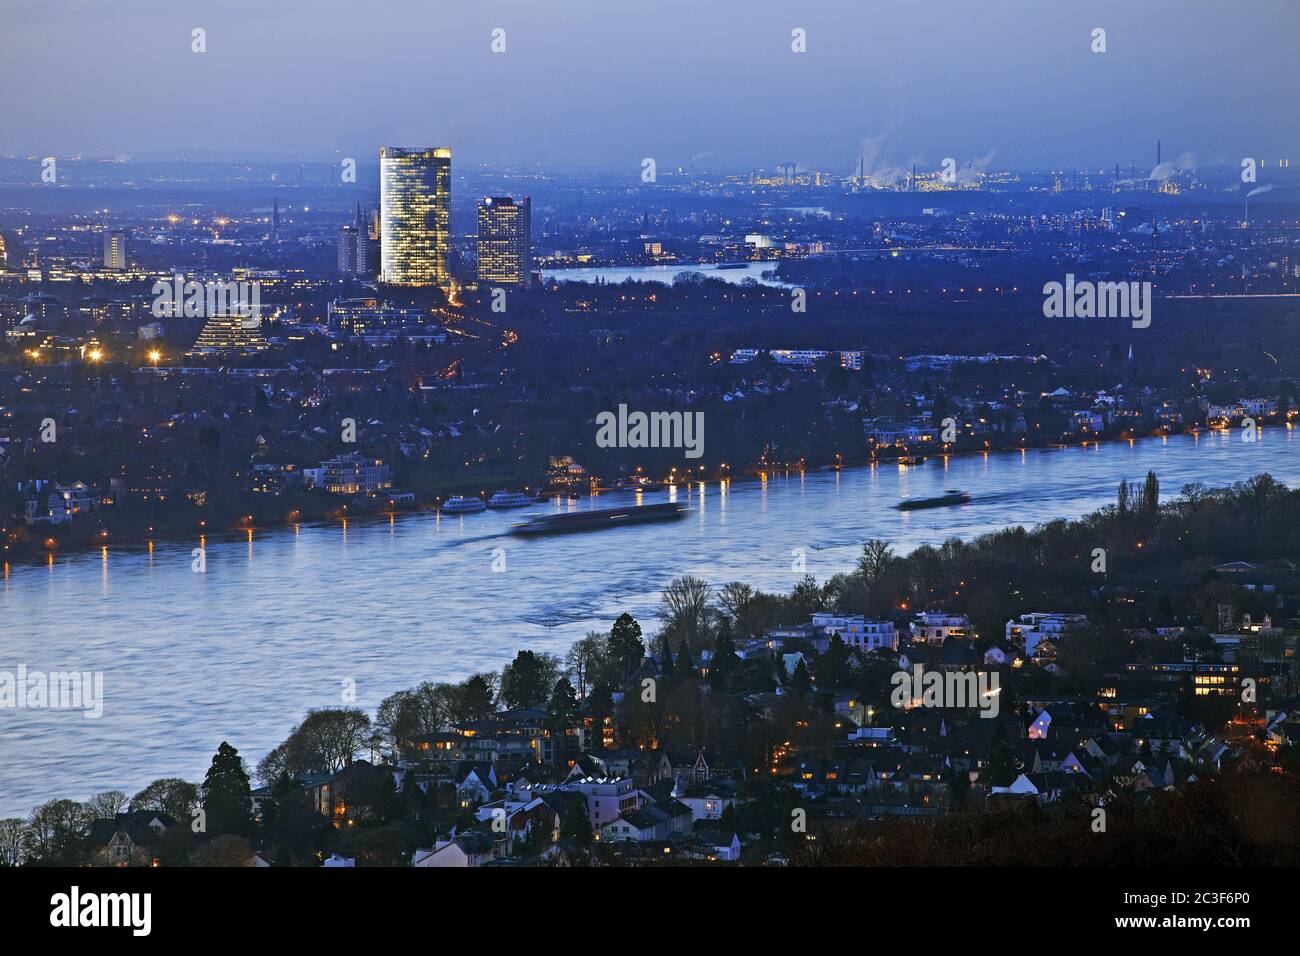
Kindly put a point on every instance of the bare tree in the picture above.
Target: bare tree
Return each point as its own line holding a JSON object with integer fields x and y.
{"x": 734, "y": 598}
{"x": 588, "y": 660}
{"x": 13, "y": 841}
{"x": 106, "y": 805}
{"x": 327, "y": 740}
{"x": 876, "y": 555}
{"x": 685, "y": 610}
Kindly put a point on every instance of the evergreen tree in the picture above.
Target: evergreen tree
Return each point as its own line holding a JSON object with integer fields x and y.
{"x": 800, "y": 681}
{"x": 575, "y": 828}
{"x": 725, "y": 663}
{"x": 625, "y": 645}
{"x": 684, "y": 664}
{"x": 562, "y": 710}
{"x": 1151, "y": 496}
{"x": 666, "y": 664}
{"x": 227, "y": 803}
{"x": 281, "y": 787}
{"x": 388, "y": 806}
{"x": 833, "y": 667}
{"x": 601, "y": 706}
{"x": 476, "y": 698}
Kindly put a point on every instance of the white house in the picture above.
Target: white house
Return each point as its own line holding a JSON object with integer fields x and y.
{"x": 472, "y": 849}
{"x": 1033, "y": 628}
{"x": 857, "y": 632}
{"x": 706, "y": 803}
{"x": 726, "y": 847}
{"x": 930, "y": 627}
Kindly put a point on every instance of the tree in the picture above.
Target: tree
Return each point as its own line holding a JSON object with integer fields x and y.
{"x": 805, "y": 598}
{"x": 575, "y": 828}
{"x": 227, "y": 804}
{"x": 56, "y": 833}
{"x": 684, "y": 663}
{"x": 735, "y": 598}
{"x": 224, "y": 851}
{"x": 626, "y": 649}
{"x": 13, "y": 841}
{"x": 601, "y": 707}
{"x": 752, "y": 611}
{"x": 107, "y": 804}
{"x": 874, "y": 560}
{"x": 407, "y": 715}
{"x": 666, "y": 658}
{"x": 589, "y": 659}
{"x": 872, "y": 566}
{"x": 170, "y": 795}
{"x": 833, "y": 670}
{"x": 684, "y": 609}
{"x": 527, "y": 680}
{"x": 562, "y": 709}
{"x": 327, "y": 740}
{"x": 475, "y": 698}
{"x": 800, "y": 681}
{"x": 725, "y": 662}
{"x": 1151, "y": 496}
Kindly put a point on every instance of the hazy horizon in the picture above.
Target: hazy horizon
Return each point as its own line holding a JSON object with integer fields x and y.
{"x": 582, "y": 86}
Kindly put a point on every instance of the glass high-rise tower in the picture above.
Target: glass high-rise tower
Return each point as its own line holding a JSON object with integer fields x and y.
{"x": 415, "y": 216}
{"x": 505, "y": 241}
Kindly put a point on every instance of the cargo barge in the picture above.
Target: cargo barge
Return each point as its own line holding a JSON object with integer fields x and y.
{"x": 949, "y": 497}
{"x": 600, "y": 518}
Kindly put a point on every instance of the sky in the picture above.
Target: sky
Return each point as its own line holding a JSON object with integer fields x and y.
{"x": 602, "y": 84}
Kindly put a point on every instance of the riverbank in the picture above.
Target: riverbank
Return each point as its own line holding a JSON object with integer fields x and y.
{"x": 36, "y": 549}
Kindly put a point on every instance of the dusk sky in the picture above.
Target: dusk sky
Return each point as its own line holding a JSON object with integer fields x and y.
{"x": 603, "y": 84}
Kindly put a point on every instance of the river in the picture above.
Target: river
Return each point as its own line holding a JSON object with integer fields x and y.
{"x": 281, "y": 620}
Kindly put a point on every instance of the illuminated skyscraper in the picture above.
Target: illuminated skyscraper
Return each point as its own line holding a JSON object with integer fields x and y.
{"x": 415, "y": 216}
{"x": 505, "y": 241}
{"x": 115, "y": 250}
{"x": 347, "y": 250}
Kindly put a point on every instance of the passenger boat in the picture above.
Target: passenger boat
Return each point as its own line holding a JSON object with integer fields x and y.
{"x": 459, "y": 505}
{"x": 911, "y": 459}
{"x": 509, "y": 499}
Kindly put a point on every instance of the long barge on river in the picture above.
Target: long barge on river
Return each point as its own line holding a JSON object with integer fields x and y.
{"x": 601, "y": 518}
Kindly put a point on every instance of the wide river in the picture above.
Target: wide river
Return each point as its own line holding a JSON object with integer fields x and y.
{"x": 283, "y": 620}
